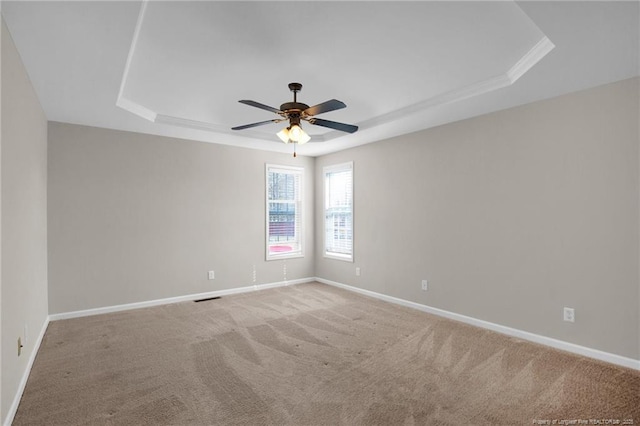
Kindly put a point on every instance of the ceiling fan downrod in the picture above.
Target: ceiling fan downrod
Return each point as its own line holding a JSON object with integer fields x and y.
{"x": 295, "y": 88}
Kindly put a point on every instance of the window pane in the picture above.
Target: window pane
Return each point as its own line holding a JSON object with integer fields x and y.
{"x": 339, "y": 211}
{"x": 282, "y": 186}
{"x": 284, "y": 212}
{"x": 282, "y": 222}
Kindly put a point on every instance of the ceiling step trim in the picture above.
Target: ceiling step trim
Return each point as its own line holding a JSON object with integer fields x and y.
{"x": 121, "y": 101}
{"x": 532, "y": 57}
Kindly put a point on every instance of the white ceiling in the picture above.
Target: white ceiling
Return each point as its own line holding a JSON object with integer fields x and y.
{"x": 178, "y": 68}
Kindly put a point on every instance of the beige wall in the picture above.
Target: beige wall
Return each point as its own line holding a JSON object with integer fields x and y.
{"x": 24, "y": 219}
{"x": 2, "y": 24}
{"x": 136, "y": 217}
{"x": 510, "y": 216}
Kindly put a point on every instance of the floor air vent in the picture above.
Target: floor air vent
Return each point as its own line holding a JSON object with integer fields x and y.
{"x": 206, "y": 300}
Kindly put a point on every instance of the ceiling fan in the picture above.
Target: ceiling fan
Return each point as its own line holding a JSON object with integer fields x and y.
{"x": 296, "y": 111}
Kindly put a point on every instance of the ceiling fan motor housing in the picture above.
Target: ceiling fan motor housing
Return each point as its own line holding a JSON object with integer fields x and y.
{"x": 294, "y": 109}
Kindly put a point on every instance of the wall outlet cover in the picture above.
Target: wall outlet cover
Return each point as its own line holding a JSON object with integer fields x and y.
{"x": 569, "y": 314}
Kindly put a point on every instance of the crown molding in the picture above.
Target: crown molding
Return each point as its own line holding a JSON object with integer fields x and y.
{"x": 532, "y": 57}
{"x": 192, "y": 124}
{"x": 136, "y": 109}
{"x": 121, "y": 101}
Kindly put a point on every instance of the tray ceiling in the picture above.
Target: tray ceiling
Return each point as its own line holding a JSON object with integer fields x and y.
{"x": 179, "y": 68}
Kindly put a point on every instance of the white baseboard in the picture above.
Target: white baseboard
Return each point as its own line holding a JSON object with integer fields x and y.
{"x": 185, "y": 298}
{"x": 13, "y": 409}
{"x": 524, "y": 335}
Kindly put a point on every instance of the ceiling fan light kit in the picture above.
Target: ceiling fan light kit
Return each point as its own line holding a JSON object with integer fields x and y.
{"x": 295, "y": 134}
{"x": 296, "y": 111}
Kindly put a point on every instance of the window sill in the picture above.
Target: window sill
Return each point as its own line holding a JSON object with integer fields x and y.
{"x": 342, "y": 257}
{"x": 284, "y": 256}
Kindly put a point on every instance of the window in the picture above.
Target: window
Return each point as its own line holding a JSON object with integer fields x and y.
{"x": 338, "y": 211}
{"x": 284, "y": 212}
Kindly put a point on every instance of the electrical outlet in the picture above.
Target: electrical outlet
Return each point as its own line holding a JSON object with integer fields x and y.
{"x": 569, "y": 314}
{"x": 357, "y": 272}
{"x": 425, "y": 285}
{"x": 212, "y": 275}
{"x": 20, "y": 346}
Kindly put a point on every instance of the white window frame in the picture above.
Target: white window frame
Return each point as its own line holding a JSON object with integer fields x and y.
{"x": 299, "y": 203}
{"x": 325, "y": 171}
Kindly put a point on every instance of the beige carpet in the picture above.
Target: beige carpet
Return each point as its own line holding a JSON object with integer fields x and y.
{"x": 309, "y": 355}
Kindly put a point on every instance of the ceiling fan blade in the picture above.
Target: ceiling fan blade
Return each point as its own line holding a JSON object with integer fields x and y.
{"x": 248, "y": 126}
{"x": 261, "y": 106}
{"x": 327, "y": 106}
{"x": 349, "y": 128}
